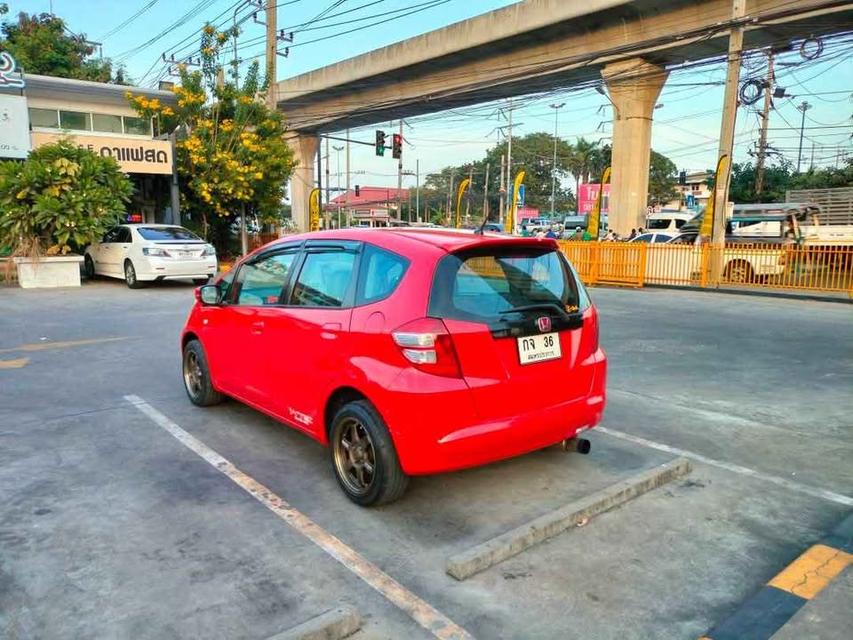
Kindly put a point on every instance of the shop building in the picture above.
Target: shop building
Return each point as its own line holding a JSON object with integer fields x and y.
{"x": 37, "y": 110}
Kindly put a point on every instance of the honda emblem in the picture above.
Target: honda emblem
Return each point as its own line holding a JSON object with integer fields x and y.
{"x": 544, "y": 324}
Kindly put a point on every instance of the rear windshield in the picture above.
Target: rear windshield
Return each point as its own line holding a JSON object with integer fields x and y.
{"x": 659, "y": 223}
{"x": 480, "y": 285}
{"x": 167, "y": 233}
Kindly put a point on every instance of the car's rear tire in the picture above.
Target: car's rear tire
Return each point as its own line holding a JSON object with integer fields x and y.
{"x": 196, "y": 374}
{"x": 200, "y": 281}
{"x": 88, "y": 267}
{"x": 739, "y": 272}
{"x": 130, "y": 276}
{"x": 363, "y": 456}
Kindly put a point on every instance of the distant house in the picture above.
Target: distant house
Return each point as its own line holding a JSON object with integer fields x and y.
{"x": 697, "y": 188}
{"x": 373, "y": 206}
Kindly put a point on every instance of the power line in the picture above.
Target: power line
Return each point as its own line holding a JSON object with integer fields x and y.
{"x": 129, "y": 20}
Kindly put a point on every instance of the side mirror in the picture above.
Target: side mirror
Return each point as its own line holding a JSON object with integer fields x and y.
{"x": 208, "y": 294}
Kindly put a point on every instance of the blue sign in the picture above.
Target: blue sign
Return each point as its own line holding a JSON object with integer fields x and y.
{"x": 521, "y": 195}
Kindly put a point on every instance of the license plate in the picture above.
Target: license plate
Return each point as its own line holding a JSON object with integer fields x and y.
{"x": 186, "y": 255}
{"x": 539, "y": 348}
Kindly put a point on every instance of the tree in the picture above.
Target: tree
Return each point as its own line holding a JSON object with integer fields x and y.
{"x": 232, "y": 157}
{"x": 662, "y": 172}
{"x": 61, "y": 198}
{"x": 41, "y": 44}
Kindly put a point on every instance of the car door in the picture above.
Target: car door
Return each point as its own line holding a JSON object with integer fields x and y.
{"x": 123, "y": 245}
{"x": 105, "y": 253}
{"x": 307, "y": 340}
{"x": 240, "y": 350}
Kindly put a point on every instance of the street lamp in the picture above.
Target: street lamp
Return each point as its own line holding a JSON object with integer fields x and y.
{"x": 556, "y": 108}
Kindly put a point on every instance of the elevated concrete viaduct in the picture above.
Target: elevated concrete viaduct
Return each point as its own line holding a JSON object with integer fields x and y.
{"x": 537, "y": 45}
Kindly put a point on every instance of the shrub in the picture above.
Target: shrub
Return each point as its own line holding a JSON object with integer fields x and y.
{"x": 61, "y": 198}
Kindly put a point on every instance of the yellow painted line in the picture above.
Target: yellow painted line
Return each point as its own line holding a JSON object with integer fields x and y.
{"x": 14, "y": 364}
{"x": 44, "y": 346}
{"x": 419, "y": 610}
{"x": 811, "y": 572}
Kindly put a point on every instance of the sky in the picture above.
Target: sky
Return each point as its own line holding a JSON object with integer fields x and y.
{"x": 137, "y": 33}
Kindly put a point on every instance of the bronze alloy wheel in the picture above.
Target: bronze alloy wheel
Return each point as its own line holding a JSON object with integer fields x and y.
{"x": 193, "y": 374}
{"x": 355, "y": 457}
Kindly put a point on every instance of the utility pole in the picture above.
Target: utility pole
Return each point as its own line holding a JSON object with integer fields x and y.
{"x": 486, "y": 194}
{"x": 470, "y": 188}
{"x": 765, "y": 118}
{"x": 727, "y": 128}
{"x": 448, "y": 206}
{"x": 328, "y": 186}
{"x": 417, "y": 191}
{"x": 556, "y": 108}
{"x": 509, "y": 161}
{"x": 272, "y": 53}
{"x": 400, "y": 178}
{"x": 346, "y": 197}
{"x": 811, "y": 164}
{"x": 338, "y": 150}
{"x": 804, "y": 106}
{"x": 502, "y": 194}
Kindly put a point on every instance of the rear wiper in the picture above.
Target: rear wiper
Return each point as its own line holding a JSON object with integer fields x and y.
{"x": 542, "y": 306}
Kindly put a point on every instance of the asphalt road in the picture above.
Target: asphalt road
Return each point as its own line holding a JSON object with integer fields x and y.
{"x": 111, "y": 528}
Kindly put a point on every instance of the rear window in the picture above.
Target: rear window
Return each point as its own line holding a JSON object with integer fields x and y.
{"x": 167, "y": 233}
{"x": 658, "y": 223}
{"x": 480, "y": 285}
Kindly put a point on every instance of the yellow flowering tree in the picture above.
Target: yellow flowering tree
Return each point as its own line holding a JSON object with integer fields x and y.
{"x": 231, "y": 152}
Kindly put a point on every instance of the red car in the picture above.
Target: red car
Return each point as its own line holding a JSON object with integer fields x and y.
{"x": 408, "y": 351}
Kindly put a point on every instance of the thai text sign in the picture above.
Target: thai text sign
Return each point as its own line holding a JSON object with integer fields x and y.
{"x": 133, "y": 155}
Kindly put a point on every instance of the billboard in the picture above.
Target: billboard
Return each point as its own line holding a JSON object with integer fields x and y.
{"x": 14, "y": 127}
{"x": 587, "y": 193}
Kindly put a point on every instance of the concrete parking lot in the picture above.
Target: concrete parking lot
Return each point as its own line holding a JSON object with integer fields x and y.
{"x": 110, "y": 527}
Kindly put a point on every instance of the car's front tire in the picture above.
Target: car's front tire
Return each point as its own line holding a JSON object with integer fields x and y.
{"x": 130, "y": 276}
{"x": 196, "y": 374}
{"x": 363, "y": 456}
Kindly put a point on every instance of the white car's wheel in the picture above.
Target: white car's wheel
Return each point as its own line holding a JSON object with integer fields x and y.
{"x": 130, "y": 276}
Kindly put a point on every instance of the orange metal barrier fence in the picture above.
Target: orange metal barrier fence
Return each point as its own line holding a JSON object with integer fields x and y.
{"x": 770, "y": 266}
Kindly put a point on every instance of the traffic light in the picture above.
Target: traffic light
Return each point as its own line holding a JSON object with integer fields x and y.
{"x": 682, "y": 178}
{"x": 397, "y": 146}
{"x": 380, "y": 143}
{"x": 357, "y": 191}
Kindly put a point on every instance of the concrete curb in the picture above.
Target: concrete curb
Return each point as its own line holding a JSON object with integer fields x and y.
{"x": 761, "y": 293}
{"x": 775, "y": 603}
{"x": 485, "y": 555}
{"x": 335, "y": 624}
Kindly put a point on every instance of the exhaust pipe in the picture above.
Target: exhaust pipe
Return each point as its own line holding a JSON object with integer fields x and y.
{"x": 581, "y": 445}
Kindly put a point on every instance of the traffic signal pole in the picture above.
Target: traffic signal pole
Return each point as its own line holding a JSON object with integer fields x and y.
{"x": 400, "y": 180}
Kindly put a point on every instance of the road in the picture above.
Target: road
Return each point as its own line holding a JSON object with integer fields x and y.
{"x": 111, "y": 527}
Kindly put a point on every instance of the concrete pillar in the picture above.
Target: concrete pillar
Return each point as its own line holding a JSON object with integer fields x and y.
{"x": 634, "y": 86}
{"x": 304, "y": 148}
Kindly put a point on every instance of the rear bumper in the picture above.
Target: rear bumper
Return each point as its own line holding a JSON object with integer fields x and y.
{"x": 158, "y": 268}
{"x": 432, "y": 435}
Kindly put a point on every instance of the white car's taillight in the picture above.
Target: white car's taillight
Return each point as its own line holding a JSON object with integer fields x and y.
{"x": 154, "y": 251}
{"x": 427, "y": 344}
{"x": 209, "y": 250}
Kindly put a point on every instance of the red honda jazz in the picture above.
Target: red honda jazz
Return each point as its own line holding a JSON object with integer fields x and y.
{"x": 408, "y": 351}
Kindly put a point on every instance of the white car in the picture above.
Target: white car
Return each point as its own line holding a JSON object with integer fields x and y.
{"x": 145, "y": 252}
{"x": 652, "y": 238}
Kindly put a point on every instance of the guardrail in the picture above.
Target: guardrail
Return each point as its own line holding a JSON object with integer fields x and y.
{"x": 770, "y": 266}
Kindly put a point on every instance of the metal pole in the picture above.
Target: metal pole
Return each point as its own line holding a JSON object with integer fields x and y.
{"x": 727, "y": 127}
{"x": 417, "y": 191}
{"x": 804, "y": 106}
{"x": 346, "y": 197}
{"x": 486, "y": 194}
{"x": 509, "y": 161}
{"x": 400, "y": 178}
{"x": 174, "y": 192}
{"x": 338, "y": 150}
{"x": 328, "y": 186}
{"x": 765, "y": 118}
{"x": 502, "y": 192}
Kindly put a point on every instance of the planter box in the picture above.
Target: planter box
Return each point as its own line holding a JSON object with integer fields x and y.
{"x": 53, "y": 271}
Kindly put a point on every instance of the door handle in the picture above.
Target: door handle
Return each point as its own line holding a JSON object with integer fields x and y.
{"x": 328, "y": 328}
{"x": 258, "y": 327}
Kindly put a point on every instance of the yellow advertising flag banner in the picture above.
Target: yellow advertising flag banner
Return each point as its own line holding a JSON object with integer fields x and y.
{"x": 314, "y": 210}
{"x": 509, "y": 223}
{"x": 707, "y": 227}
{"x": 594, "y": 223}
{"x": 459, "y": 193}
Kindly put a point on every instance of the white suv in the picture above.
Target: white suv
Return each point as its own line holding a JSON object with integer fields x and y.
{"x": 146, "y": 252}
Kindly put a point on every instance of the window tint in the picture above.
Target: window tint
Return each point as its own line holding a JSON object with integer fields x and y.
{"x": 658, "y": 223}
{"x": 324, "y": 279}
{"x": 124, "y": 235}
{"x": 167, "y": 233}
{"x": 137, "y": 126}
{"x": 382, "y": 272}
{"x": 261, "y": 282}
{"x": 646, "y": 237}
{"x": 76, "y": 120}
{"x": 679, "y": 223}
{"x": 48, "y": 118}
{"x": 106, "y": 123}
{"x": 480, "y": 286}
{"x": 111, "y": 235}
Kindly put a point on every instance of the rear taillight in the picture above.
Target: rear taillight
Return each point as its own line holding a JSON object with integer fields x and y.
{"x": 427, "y": 344}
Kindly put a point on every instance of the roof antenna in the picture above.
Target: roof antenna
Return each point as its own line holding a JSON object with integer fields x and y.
{"x": 479, "y": 230}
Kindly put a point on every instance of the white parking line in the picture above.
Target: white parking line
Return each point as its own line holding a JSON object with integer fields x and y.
{"x": 736, "y": 468}
{"x": 420, "y": 611}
